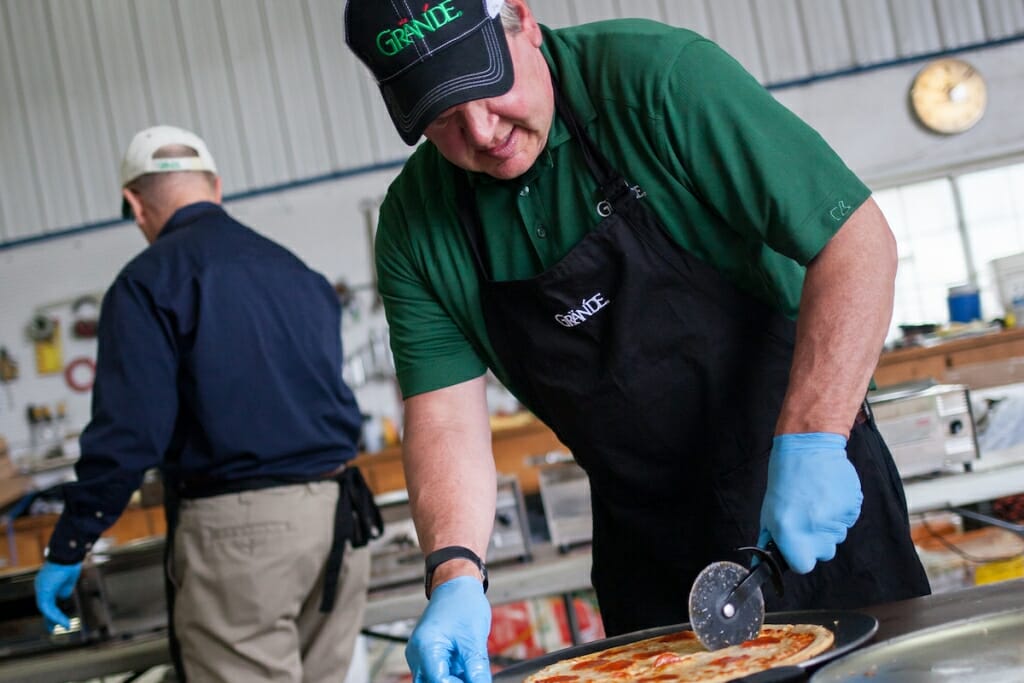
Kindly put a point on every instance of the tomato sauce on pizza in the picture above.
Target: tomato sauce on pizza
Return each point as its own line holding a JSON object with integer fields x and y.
{"x": 680, "y": 658}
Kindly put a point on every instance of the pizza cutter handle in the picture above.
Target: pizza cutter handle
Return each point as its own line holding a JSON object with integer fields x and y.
{"x": 770, "y": 555}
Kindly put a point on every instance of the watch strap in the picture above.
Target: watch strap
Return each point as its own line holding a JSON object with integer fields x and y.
{"x": 451, "y": 552}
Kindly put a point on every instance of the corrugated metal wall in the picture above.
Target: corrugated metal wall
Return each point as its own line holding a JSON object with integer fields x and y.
{"x": 275, "y": 91}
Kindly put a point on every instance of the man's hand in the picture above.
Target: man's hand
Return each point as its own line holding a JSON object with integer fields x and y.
{"x": 55, "y": 581}
{"x": 450, "y": 641}
{"x": 813, "y": 498}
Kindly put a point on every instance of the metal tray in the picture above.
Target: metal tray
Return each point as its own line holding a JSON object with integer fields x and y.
{"x": 852, "y": 629}
{"x": 986, "y": 649}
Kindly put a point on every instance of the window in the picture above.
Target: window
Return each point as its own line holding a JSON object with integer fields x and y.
{"x": 936, "y": 253}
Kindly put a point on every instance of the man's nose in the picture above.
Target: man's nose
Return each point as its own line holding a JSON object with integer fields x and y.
{"x": 478, "y": 125}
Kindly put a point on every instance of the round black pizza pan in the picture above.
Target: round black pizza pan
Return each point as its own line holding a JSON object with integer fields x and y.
{"x": 851, "y": 629}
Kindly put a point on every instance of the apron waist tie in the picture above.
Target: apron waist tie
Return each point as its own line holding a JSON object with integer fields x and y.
{"x": 356, "y": 519}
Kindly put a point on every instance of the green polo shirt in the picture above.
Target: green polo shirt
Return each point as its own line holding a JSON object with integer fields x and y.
{"x": 735, "y": 178}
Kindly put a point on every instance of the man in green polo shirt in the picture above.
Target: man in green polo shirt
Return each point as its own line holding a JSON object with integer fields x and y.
{"x": 622, "y": 224}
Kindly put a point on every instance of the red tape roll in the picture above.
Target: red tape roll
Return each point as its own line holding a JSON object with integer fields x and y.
{"x": 72, "y": 372}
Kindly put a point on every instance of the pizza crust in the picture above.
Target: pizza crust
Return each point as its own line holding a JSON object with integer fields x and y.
{"x": 680, "y": 658}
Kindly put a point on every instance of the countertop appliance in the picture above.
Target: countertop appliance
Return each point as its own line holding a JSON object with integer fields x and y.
{"x": 929, "y": 428}
{"x": 565, "y": 495}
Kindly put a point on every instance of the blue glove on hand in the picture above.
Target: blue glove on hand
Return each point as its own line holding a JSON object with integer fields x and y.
{"x": 813, "y": 498}
{"x": 450, "y": 641}
{"x": 55, "y": 581}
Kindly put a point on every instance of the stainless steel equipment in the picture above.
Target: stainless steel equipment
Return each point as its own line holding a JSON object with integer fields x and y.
{"x": 121, "y": 590}
{"x": 510, "y": 537}
{"x": 22, "y": 628}
{"x": 120, "y": 595}
{"x": 396, "y": 557}
{"x": 981, "y": 649}
{"x": 565, "y": 495}
{"x": 928, "y": 429}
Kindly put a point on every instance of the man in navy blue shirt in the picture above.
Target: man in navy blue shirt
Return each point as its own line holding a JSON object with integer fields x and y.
{"x": 219, "y": 362}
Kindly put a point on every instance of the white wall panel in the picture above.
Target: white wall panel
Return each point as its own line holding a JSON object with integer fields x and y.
{"x": 129, "y": 89}
{"x": 733, "y": 22}
{"x": 32, "y": 42}
{"x": 785, "y": 52}
{"x": 288, "y": 29}
{"x": 828, "y": 39}
{"x": 158, "y": 37}
{"x": 210, "y": 77}
{"x": 1003, "y": 17}
{"x": 345, "y": 89}
{"x": 280, "y": 99}
{"x": 871, "y": 30}
{"x": 644, "y": 9}
{"x": 586, "y": 11}
{"x": 917, "y": 26}
{"x": 92, "y": 138}
{"x": 691, "y": 14}
{"x": 960, "y": 23}
{"x": 262, "y": 129}
{"x": 555, "y": 14}
{"x": 866, "y": 119}
{"x": 21, "y": 204}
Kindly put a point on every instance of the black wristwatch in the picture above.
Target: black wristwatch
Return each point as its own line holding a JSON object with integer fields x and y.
{"x": 442, "y": 555}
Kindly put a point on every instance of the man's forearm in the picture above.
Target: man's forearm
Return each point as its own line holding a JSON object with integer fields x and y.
{"x": 449, "y": 471}
{"x": 845, "y": 311}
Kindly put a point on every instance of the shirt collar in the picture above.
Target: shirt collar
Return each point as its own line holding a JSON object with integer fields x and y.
{"x": 186, "y": 215}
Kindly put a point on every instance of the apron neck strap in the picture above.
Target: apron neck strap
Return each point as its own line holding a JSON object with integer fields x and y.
{"x": 610, "y": 182}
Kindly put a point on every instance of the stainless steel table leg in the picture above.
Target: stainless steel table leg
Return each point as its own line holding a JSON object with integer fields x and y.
{"x": 570, "y": 616}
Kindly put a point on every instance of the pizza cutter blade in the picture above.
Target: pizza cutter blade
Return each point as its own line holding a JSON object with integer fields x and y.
{"x": 726, "y": 602}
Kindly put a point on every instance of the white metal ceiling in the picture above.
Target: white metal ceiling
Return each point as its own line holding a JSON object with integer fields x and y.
{"x": 273, "y": 89}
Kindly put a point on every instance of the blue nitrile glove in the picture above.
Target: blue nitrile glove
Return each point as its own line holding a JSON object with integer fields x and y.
{"x": 813, "y": 498}
{"x": 55, "y": 581}
{"x": 450, "y": 641}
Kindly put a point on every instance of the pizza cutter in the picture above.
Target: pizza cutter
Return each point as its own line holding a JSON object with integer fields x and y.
{"x": 726, "y": 602}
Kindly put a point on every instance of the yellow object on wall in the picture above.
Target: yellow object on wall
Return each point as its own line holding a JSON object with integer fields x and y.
{"x": 49, "y": 355}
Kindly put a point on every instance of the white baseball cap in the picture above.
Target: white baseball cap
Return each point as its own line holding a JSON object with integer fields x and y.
{"x": 138, "y": 160}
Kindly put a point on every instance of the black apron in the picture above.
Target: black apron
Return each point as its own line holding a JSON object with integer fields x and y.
{"x": 666, "y": 381}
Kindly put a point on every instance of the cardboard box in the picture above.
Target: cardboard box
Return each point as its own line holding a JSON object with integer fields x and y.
{"x": 12, "y": 485}
{"x": 955, "y": 559}
{"x": 13, "y": 489}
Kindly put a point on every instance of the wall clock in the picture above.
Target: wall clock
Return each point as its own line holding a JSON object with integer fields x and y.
{"x": 948, "y": 96}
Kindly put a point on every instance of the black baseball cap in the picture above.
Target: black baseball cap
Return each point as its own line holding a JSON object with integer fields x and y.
{"x": 430, "y": 56}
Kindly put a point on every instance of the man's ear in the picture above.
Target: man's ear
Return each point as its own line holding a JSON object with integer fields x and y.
{"x": 528, "y": 21}
{"x": 134, "y": 203}
{"x": 217, "y": 189}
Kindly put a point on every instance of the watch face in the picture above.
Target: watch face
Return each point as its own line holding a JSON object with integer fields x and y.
{"x": 948, "y": 96}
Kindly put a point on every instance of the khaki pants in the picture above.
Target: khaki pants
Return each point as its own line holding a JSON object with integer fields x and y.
{"x": 249, "y": 573}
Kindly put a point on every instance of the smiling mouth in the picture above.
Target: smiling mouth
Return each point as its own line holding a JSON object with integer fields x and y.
{"x": 505, "y": 149}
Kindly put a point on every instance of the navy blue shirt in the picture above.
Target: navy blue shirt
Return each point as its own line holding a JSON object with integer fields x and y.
{"x": 219, "y": 359}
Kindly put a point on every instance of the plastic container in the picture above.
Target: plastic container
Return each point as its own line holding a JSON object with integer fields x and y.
{"x": 964, "y": 304}
{"x": 1009, "y": 277}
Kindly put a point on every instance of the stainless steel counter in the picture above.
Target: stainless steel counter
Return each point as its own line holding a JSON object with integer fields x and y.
{"x": 898, "y": 618}
{"x": 550, "y": 573}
